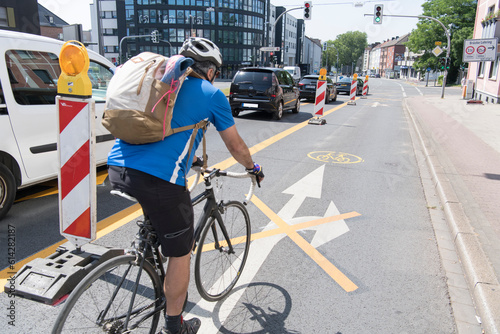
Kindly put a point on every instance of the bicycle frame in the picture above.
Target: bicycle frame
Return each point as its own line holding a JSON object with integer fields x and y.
{"x": 147, "y": 244}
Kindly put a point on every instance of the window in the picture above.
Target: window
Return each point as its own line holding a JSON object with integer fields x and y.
{"x": 4, "y": 22}
{"x": 481, "y": 70}
{"x": 34, "y": 79}
{"x": 494, "y": 69}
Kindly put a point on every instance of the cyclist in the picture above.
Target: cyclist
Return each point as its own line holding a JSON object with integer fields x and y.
{"x": 155, "y": 173}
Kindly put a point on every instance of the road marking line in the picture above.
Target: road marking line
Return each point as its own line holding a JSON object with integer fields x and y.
{"x": 280, "y": 230}
{"x": 313, "y": 253}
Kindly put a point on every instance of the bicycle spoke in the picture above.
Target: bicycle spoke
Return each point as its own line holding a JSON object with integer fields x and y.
{"x": 222, "y": 252}
{"x": 102, "y": 303}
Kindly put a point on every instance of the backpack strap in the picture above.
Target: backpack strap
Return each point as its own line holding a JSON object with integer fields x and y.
{"x": 203, "y": 126}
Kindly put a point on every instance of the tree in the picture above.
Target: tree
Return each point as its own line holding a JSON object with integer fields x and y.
{"x": 459, "y": 16}
{"x": 350, "y": 47}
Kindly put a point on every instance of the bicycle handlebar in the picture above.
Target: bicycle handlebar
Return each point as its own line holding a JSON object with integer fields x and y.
{"x": 213, "y": 172}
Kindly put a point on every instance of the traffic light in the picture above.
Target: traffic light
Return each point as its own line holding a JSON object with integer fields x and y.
{"x": 378, "y": 14}
{"x": 448, "y": 63}
{"x": 325, "y": 46}
{"x": 155, "y": 34}
{"x": 307, "y": 10}
{"x": 442, "y": 63}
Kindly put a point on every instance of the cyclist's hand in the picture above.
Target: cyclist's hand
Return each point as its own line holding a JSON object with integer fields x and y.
{"x": 257, "y": 171}
{"x": 197, "y": 163}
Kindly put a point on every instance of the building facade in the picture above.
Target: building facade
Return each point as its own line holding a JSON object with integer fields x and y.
{"x": 311, "y": 56}
{"x": 486, "y": 75}
{"x": 20, "y": 16}
{"x": 237, "y": 26}
{"x": 289, "y": 36}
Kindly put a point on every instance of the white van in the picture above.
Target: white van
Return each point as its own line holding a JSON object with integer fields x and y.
{"x": 29, "y": 70}
{"x": 294, "y": 71}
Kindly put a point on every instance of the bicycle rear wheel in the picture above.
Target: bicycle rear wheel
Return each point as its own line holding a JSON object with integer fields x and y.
{"x": 219, "y": 263}
{"x": 101, "y": 301}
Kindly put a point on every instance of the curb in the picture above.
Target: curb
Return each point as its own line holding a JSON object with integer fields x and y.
{"x": 480, "y": 276}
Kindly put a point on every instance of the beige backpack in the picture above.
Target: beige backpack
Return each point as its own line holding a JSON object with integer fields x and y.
{"x": 139, "y": 105}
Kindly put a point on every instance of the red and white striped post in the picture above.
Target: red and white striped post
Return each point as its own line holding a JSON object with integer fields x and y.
{"x": 354, "y": 87}
{"x": 320, "y": 99}
{"x": 365, "y": 87}
{"x": 76, "y": 142}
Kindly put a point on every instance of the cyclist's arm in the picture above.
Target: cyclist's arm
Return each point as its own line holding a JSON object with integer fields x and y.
{"x": 237, "y": 146}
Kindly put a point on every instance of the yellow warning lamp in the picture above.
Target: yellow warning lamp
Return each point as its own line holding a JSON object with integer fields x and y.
{"x": 355, "y": 76}
{"x": 322, "y": 74}
{"x": 366, "y": 77}
{"x": 74, "y": 63}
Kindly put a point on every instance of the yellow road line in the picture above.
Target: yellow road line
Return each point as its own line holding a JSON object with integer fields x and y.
{"x": 279, "y": 230}
{"x": 326, "y": 265}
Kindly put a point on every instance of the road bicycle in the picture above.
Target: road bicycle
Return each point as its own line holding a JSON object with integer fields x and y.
{"x": 125, "y": 295}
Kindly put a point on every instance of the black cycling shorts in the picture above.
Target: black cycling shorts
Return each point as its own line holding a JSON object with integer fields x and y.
{"x": 167, "y": 205}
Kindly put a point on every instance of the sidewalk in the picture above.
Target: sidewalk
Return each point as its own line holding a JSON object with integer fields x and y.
{"x": 462, "y": 148}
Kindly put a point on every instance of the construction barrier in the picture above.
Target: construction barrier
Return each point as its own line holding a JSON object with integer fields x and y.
{"x": 354, "y": 87}
{"x": 365, "y": 87}
{"x": 319, "y": 104}
{"x": 76, "y": 141}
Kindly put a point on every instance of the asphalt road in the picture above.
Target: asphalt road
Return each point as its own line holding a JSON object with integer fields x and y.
{"x": 374, "y": 267}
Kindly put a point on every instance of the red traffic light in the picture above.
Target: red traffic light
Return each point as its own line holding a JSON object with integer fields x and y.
{"x": 307, "y": 5}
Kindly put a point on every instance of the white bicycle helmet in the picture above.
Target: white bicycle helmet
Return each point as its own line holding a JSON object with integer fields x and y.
{"x": 201, "y": 49}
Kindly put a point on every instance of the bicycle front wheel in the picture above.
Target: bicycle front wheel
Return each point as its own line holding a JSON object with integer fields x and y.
{"x": 100, "y": 302}
{"x": 222, "y": 251}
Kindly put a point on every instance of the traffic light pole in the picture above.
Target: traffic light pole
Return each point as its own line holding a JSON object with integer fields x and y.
{"x": 447, "y": 36}
{"x": 127, "y": 37}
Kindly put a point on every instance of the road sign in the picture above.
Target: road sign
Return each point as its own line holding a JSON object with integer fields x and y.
{"x": 437, "y": 51}
{"x": 269, "y": 48}
{"x": 480, "y": 49}
{"x": 438, "y": 43}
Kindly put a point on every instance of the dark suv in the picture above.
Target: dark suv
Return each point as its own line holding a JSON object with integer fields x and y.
{"x": 307, "y": 88}
{"x": 268, "y": 89}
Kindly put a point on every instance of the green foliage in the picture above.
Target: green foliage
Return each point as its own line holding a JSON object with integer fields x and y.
{"x": 459, "y": 16}
{"x": 350, "y": 47}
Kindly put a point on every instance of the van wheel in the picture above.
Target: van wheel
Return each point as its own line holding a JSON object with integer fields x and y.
{"x": 334, "y": 98}
{"x": 235, "y": 112}
{"x": 278, "y": 113}
{"x": 7, "y": 190}
{"x": 297, "y": 107}
{"x": 327, "y": 99}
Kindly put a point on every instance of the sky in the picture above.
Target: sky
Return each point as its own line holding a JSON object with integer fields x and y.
{"x": 329, "y": 18}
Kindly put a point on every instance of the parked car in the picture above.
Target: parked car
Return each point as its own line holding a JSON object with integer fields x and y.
{"x": 344, "y": 86}
{"x": 307, "y": 87}
{"x": 260, "y": 88}
{"x": 29, "y": 71}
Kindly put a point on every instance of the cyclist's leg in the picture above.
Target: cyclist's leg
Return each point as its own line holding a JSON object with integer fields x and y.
{"x": 176, "y": 283}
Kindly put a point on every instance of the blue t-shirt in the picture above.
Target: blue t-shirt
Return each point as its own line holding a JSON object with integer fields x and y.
{"x": 197, "y": 100}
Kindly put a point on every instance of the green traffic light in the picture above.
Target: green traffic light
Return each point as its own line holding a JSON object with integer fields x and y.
{"x": 377, "y": 19}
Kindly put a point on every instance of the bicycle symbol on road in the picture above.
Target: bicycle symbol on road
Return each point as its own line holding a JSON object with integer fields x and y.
{"x": 335, "y": 157}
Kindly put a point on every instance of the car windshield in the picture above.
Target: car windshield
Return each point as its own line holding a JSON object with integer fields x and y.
{"x": 345, "y": 80}
{"x": 307, "y": 80}
{"x": 256, "y": 78}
